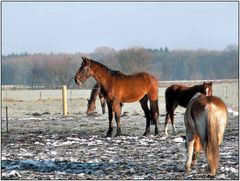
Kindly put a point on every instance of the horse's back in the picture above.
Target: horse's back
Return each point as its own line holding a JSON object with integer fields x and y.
{"x": 135, "y": 86}
{"x": 175, "y": 94}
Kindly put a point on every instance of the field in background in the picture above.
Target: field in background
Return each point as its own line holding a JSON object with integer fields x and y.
{"x": 26, "y": 102}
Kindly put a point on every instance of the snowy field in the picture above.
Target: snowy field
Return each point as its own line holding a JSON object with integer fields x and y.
{"x": 42, "y": 144}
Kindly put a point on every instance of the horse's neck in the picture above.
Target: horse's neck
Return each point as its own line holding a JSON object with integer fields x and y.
{"x": 101, "y": 75}
{"x": 94, "y": 93}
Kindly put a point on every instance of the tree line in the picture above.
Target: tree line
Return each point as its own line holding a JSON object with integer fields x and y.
{"x": 54, "y": 70}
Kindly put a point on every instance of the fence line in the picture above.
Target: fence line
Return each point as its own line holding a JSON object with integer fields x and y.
{"x": 17, "y": 87}
{"x": 165, "y": 83}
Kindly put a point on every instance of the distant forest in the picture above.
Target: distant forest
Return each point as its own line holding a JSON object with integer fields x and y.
{"x": 54, "y": 70}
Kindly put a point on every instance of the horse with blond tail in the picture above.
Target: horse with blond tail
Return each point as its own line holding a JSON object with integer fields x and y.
{"x": 205, "y": 120}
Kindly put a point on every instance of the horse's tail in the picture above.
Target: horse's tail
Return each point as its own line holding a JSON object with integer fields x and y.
{"x": 212, "y": 146}
{"x": 167, "y": 101}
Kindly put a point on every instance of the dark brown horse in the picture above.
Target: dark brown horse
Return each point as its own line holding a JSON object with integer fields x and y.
{"x": 96, "y": 91}
{"x": 119, "y": 88}
{"x": 205, "y": 120}
{"x": 181, "y": 95}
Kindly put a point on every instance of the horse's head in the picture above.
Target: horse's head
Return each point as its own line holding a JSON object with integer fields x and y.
{"x": 84, "y": 72}
{"x": 207, "y": 88}
{"x": 90, "y": 106}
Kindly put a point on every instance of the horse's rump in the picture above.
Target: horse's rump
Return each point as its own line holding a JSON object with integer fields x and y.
{"x": 206, "y": 118}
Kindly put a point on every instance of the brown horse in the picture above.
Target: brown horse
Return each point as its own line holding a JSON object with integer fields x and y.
{"x": 96, "y": 91}
{"x": 205, "y": 120}
{"x": 119, "y": 88}
{"x": 181, "y": 95}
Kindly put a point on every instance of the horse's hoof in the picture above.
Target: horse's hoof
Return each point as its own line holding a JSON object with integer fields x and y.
{"x": 117, "y": 135}
{"x": 145, "y": 134}
{"x": 108, "y": 135}
{"x": 212, "y": 175}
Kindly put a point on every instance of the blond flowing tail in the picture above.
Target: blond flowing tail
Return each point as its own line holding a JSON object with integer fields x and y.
{"x": 212, "y": 143}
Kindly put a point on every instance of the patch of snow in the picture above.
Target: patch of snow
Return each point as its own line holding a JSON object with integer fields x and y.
{"x": 99, "y": 142}
{"x": 221, "y": 176}
{"x": 25, "y": 154}
{"x": 231, "y": 169}
{"x": 91, "y": 143}
{"x": 111, "y": 161}
{"x": 57, "y": 143}
{"x": 93, "y": 161}
{"x": 108, "y": 138}
{"x": 234, "y": 113}
{"x": 138, "y": 177}
{"x": 178, "y": 140}
{"x": 163, "y": 138}
{"x": 74, "y": 139}
{"x": 53, "y": 152}
{"x": 13, "y": 173}
{"x": 142, "y": 142}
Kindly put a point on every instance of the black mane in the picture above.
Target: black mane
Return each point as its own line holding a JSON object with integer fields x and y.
{"x": 112, "y": 72}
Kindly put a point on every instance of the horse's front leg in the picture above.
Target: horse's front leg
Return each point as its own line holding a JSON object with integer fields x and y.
{"x": 117, "y": 110}
{"x": 110, "y": 117}
{"x": 103, "y": 104}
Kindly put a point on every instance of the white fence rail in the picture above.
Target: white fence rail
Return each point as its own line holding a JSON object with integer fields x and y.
{"x": 191, "y": 82}
{"x": 161, "y": 84}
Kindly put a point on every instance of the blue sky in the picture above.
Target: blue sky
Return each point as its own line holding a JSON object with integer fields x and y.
{"x": 82, "y": 26}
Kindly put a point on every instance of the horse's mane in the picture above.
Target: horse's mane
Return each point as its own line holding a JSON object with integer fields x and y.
{"x": 196, "y": 86}
{"x": 112, "y": 72}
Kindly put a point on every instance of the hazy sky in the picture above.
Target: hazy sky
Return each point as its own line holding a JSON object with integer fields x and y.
{"x": 81, "y": 27}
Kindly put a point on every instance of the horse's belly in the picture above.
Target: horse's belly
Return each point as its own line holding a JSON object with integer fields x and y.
{"x": 132, "y": 97}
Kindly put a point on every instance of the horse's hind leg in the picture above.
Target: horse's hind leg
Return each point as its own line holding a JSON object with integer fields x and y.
{"x": 196, "y": 151}
{"x": 154, "y": 114}
{"x": 170, "y": 107}
{"x": 110, "y": 117}
{"x": 171, "y": 112}
{"x": 190, "y": 149}
{"x": 146, "y": 110}
{"x": 166, "y": 123}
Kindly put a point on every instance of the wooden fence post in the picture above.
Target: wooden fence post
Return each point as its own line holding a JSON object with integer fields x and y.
{"x": 64, "y": 99}
{"x": 7, "y": 118}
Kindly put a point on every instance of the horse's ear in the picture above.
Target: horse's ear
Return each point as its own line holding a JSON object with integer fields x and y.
{"x": 210, "y": 83}
{"x": 84, "y": 60}
{"x": 204, "y": 83}
{"x": 88, "y": 62}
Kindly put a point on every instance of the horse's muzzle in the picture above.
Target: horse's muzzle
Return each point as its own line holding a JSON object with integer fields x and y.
{"x": 77, "y": 81}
